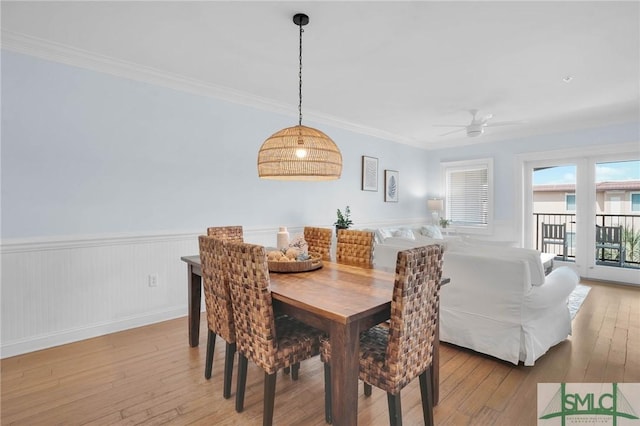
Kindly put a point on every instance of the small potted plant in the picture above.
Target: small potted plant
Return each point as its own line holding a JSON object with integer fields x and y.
{"x": 444, "y": 222}
{"x": 344, "y": 220}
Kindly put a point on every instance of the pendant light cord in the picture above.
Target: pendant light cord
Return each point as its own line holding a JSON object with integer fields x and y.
{"x": 300, "y": 81}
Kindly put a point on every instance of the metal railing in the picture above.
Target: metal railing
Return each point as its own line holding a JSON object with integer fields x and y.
{"x": 630, "y": 235}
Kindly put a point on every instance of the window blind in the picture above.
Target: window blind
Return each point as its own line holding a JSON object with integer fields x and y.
{"x": 468, "y": 196}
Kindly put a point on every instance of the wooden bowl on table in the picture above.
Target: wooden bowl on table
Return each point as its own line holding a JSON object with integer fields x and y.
{"x": 314, "y": 262}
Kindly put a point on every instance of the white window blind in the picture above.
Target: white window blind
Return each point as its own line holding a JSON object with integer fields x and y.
{"x": 468, "y": 194}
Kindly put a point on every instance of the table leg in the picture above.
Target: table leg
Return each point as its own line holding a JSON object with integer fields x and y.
{"x": 195, "y": 291}
{"x": 345, "y": 354}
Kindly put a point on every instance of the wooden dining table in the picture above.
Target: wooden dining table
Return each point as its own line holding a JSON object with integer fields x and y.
{"x": 339, "y": 299}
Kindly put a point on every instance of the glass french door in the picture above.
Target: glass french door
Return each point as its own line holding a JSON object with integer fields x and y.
{"x": 554, "y": 207}
{"x": 617, "y": 215}
{"x": 597, "y": 199}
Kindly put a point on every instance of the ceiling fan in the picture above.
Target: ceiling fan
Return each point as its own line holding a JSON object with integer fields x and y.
{"x": 477, "y": 125}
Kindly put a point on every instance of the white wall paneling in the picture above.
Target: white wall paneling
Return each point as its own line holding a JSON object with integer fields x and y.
{"x": 55, "y": 292}
{"x": 61, "y": 290}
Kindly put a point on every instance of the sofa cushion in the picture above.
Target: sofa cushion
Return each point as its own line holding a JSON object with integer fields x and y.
{"x": 472, "y": 240}
{"x": 532, "y": 257}
{"x": 405, "y": 242}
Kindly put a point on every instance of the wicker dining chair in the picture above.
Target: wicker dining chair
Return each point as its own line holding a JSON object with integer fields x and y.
{"x": 319, "y": 241}
{"x": 227, "y": 233}
{"x": 218, "y": 304}
{"x": 272, "y": 342}
{"x": 355, "y": 248}
{"x": 391, "y": 357}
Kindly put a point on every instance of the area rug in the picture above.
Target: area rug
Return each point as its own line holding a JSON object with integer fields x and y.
{"x": 576, "y": 298}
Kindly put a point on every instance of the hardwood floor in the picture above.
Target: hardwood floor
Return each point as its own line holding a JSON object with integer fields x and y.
{"x": 150, "y": 376}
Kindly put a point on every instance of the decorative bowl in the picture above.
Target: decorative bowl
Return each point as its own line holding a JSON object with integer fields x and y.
{"x": 313, "y": 263}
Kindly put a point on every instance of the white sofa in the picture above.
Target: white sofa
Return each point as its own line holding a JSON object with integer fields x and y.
{"x": 499, "y": 300}
{"x": 390, "y": 240}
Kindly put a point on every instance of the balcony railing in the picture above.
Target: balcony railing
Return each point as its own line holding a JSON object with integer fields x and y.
{"x": 630, "y": 236}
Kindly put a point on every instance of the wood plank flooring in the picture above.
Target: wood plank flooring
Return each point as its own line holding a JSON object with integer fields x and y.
{"x": 150, "y": 376}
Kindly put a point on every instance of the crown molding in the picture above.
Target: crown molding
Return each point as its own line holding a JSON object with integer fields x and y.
{"x": 65, "y": 54}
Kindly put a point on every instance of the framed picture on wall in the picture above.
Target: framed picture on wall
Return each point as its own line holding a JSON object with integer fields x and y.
{"x": 391, "y": 186}
{"x": 369, "y": 173}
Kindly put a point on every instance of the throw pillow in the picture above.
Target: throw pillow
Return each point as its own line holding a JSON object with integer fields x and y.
{"x": 432, "y": 231}
{"x": 404, "y": 233}
{"x": 382, "y": 233}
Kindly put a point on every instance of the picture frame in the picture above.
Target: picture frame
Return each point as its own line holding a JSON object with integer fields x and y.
{"x": 391, "y": 186}
{"x": 369, "y": 173}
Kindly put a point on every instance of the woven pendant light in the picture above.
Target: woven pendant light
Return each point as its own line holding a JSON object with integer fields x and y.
{"x": 299, "y": 152}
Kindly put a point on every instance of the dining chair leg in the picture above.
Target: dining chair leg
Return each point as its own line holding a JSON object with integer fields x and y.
{"x": 269, "y": 398}
{"x": 327, "y": 393}
{"x": 208, "y": 363}
{"x": 426, "y": 391}
{"x": 242, "y": 382}
{"x": 367, "y": 389}
{"x": 228, "y": 369}
{"x": 294, "y": 371}
{"x": 395, "y": 409}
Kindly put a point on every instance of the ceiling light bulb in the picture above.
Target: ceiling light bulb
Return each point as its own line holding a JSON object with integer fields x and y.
{"x": 301, "y": 152}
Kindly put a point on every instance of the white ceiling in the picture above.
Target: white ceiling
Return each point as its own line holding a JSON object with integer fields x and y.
{"x": 391, "y": 69}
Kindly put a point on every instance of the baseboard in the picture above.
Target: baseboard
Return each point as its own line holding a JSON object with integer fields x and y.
{"x": 9, "y": 349}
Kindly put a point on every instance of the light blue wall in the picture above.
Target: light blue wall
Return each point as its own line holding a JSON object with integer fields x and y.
{"x": 504, "y": 156}
{"x": 87, "y": 153}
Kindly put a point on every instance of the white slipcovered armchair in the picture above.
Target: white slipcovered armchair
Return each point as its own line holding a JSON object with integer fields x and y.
{"x": 499, "y": 302}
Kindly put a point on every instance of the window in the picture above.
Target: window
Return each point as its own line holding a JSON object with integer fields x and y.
{"x": 570, "y": 202}
{"x": 469, "y": 193}
{"x": 635, "y": 202}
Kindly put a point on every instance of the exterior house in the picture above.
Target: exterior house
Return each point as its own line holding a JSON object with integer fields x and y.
{"x": 617, "y": 204}
{"x": 613, "y": 198}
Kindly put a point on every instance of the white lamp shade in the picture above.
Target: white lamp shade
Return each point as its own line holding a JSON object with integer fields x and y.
{"x": 435, "y": 205}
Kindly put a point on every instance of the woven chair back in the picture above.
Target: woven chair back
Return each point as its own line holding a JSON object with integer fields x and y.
{"x": 252, "y": 303}
{"x": 216, "y": 288}
{"x": 227, "y": 233}
{"x": 414, "y": 314}
{"x": 319, "y": 241}
{"x": 355, "y": 248}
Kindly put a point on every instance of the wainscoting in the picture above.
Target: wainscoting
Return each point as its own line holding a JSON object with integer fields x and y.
{"x": 65, "y": 289}
{"x": 62, "y": 290}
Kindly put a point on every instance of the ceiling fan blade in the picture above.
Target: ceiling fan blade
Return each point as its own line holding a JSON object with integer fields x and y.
{"x": 503, "y": 123}
{"x": 449, "y": 125}
{"x": 486, "y": 118}
{"x": 453, "y": 131}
